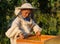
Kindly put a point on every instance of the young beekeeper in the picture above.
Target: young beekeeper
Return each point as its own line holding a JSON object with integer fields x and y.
{"x": 23, "y": 24}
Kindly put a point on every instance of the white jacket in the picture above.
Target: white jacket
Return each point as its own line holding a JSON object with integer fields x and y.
{"x": 19, "y": 25}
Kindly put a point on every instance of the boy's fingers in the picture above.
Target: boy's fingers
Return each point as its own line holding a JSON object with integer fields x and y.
{"x": 38, "y": 33}
{"x": 21, "y": 37}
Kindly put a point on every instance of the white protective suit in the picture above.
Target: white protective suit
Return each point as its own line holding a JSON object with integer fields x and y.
{"x": 19, "y": 25}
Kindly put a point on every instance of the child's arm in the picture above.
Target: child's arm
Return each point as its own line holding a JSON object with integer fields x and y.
{"x": 13, "y": 30}
{"x": 37, "y": 29}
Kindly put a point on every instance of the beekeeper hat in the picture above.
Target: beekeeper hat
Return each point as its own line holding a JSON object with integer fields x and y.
{"x": 24, "y": 6}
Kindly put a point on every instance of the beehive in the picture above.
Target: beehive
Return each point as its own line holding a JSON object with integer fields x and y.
{"x": 35, "y": 39}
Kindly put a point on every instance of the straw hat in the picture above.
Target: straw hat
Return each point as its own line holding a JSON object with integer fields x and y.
{"x": 24, "y": 6}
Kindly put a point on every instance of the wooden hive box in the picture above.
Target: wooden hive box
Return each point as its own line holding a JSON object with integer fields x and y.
{"x": 35, "y": 39}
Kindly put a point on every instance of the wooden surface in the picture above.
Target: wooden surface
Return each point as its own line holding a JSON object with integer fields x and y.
{"x": 35, "y": 39}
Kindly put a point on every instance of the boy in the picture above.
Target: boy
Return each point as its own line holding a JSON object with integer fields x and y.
{"x": 23, "y": 24}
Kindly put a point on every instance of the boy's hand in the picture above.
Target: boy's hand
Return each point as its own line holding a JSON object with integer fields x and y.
{"x": 21, "y": 36}
{"x": 38, "y": 33}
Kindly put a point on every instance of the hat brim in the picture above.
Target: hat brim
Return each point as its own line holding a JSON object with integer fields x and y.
{"x": 27, "y": 8}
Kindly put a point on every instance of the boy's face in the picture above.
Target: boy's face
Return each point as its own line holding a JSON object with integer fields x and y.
{"x": 26, "y": 12}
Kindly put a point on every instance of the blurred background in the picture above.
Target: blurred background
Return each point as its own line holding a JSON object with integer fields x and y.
{"x": 47, "y": 16}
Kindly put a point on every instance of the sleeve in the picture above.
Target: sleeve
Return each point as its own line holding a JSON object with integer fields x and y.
{"x": 36, "y": 27}
{"x": 13, "y": 30}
